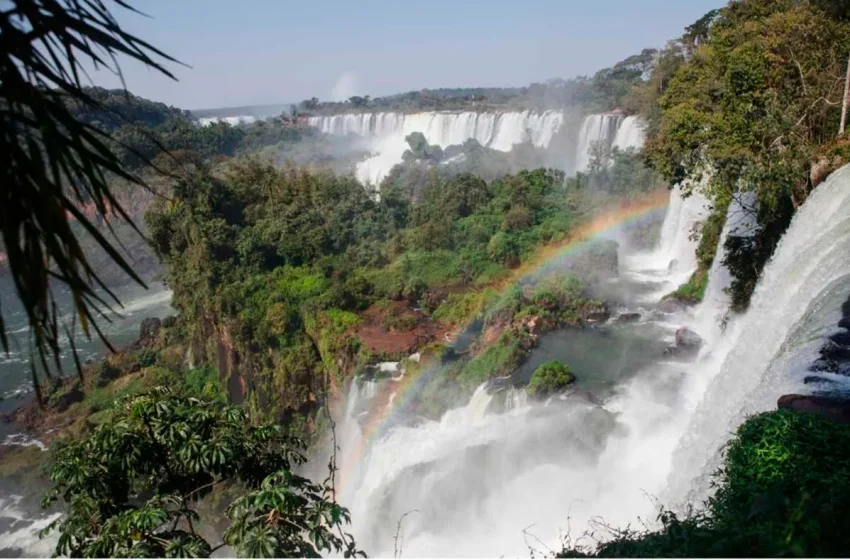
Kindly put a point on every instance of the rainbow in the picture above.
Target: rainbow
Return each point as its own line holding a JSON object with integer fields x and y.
{"x": 399, "y": 395}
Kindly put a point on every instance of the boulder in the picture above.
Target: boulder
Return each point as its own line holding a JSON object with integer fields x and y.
{"x": 628, "y": 318}
{"x": 688, "y": 339}
{"x": 687, "y": 344}
{"x": 149, "y": 330}
{"x": 837, "y": 410}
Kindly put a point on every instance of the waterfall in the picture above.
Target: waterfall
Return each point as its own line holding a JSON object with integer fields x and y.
{"x": 674, "y": 260}
{"x": 766, "y": 352}
{"x": 384, "y": 133}
{"x": 630, "y": 134}
{"x": 477, "y": 477}
{"x": 232, "y": 121}
{"x": 740, "y": 221}
{"x": 595, "y": 129}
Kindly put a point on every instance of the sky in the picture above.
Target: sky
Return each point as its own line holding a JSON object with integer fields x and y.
{"x": 252, "y": 52}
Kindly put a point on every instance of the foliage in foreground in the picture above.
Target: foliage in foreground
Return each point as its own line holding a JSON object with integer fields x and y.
{"x": 132, "y": 489}
{"x": 784, "y": 490}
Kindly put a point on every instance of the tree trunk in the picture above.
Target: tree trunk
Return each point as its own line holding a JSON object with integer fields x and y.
{"x": 846, "y": 100}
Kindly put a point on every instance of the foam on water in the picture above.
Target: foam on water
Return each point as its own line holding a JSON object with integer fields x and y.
{"x": 478, "y": 478}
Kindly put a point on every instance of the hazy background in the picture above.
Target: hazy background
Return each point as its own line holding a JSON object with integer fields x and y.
{"x": 274, "y": 51}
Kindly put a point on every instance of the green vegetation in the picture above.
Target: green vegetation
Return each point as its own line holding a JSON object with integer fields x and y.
{"x": 54, "y": 163}
{"x": 143, "y": 471}
{"x": 781, "y": 492}
{"x": 262, "y": 258}
{"x": 693, "y": 291}
{"x": 745, "y": 101}
{"x": 550, "y": 378}
{"x": 498, "y": 360}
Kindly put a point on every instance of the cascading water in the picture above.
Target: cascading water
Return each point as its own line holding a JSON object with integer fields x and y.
{"x": 595, "y": 130}
{"x": 674, "y": 260}
{"x": 630, "y": 134}
{"x": 384, "y": 133}
{"x": 740, "y": 222}
{"x": 766, "y": 352}
{"x": 477, "y": 479}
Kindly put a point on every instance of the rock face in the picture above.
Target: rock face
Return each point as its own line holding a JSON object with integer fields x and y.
{"x": 628, "y": 318}
{"x": 837, "y": 410}
{"x": 149, "y": 330}
{"x": 835, "y": 353}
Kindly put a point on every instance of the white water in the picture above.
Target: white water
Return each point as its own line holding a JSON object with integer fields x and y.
{"x": 740, "y": 222}
{"x": 674, "y": 260}
{"x": 630, "y": 134}
{"x": 232, "y": 121}
{"x": 766, "y": 352}
{"x": 22, "y": 536}
{"x": 384, "y": 133}
{"x": 599, "y": 130}
{"x": 477, "y": 479}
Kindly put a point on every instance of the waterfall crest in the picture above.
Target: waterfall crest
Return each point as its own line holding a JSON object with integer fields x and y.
{"x": 384, "y": 133}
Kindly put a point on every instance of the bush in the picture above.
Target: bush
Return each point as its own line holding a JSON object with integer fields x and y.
{"x": 784, "y": 490}
{"x": 550, "y": 378}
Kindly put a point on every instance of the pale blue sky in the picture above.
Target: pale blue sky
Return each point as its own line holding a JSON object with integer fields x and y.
{"x": 271, "y": 51}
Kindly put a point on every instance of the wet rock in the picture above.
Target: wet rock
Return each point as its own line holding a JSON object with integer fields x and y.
{"x": 688, "y": 339}
{"x": 628, "y": 318}
{"x": 834, "y": 358}
{"x": 498, "y": 384}
{"x": 809, "y": 379}
{"x": 844, "y": 323}
{"x": 597, "y": 315}
{"x": 149, "y": 330}
{"x": 671, "y": 305}
{"x": 837, "y": 410}
{"x": 687, "y": 344}
{"x": 841, "y": 338}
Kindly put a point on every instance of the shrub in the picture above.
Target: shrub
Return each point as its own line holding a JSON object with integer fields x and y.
{"x": 549, "y": 378}
{"x": 784, "y": 490}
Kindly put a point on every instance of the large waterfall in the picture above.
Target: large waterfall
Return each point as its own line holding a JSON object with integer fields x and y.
{"x": 486, "y": 480}
{"x": 384, "y": 133}
{"x": 768, "y": 351}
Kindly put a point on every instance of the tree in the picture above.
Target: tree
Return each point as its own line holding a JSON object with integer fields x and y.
{"x": 133, "y": 487}
{"x": 310, "y": 104}
{"x": 53, "y": 163}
